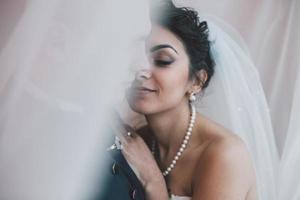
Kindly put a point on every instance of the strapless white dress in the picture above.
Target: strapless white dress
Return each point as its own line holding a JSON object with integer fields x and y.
{"x": 175, "y": 197}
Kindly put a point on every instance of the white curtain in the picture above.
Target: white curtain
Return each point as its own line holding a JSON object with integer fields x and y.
{"x": 61, "y": 66}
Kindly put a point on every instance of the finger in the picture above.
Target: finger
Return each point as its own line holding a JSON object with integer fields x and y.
{"x": 122, "y": 130}
{"x": 124, "y": 125}
{"x": 116, "y": 124}
{"x": 130, "y": 131}
{"x": 120, "y": 133}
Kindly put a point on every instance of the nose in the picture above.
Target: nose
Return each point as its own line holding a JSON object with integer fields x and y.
{"x": 143, "y": 70}
{"x": 141, "y": 65}
{"x": 143, "y": 74}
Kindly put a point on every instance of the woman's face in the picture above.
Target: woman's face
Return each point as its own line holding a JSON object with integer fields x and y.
{"x": 161, "y": 81}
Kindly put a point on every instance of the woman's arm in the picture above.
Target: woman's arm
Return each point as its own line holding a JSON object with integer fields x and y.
{"x": 224, "y": 171}
{"x": 156, "y": 190}
{"x": 141, "y": 161}
{"x": 145, "y": 167}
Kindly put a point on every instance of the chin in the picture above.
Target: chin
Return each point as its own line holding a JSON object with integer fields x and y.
{"x": 140, "y": 107}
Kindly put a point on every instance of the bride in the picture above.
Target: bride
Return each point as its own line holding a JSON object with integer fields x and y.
{"x": 181, "y": 153}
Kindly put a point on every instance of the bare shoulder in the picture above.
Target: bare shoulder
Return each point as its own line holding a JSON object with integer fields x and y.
{"x": 228, "y": 150}
{"x": 225, "y": 164}
{"x": 220, "y": 139}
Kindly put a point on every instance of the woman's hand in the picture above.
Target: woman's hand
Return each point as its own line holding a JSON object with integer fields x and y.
{"x": 141, "y": 160}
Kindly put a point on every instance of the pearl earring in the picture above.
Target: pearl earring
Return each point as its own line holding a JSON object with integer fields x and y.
{"x": 192, "y": 97}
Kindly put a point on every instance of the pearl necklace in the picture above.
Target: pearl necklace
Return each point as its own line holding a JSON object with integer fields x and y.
{"x": 183, "y": 145}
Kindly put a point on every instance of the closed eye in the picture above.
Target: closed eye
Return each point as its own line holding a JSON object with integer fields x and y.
{"x": 162, "y": 62}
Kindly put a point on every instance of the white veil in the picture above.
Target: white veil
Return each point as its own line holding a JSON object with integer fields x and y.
{"x": 236, "y": 100}
{"x": 288, "y": 178}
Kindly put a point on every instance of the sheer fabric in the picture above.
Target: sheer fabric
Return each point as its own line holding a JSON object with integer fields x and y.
{"x": 54, "y": 55}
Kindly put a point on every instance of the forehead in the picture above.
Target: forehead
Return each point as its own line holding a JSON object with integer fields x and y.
{"x": 161, "y": 35}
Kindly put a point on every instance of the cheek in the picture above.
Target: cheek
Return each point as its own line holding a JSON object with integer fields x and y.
{"x": 173, "y": 83}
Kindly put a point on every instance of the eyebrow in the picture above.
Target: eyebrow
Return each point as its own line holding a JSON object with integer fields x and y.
{"x": 162, "y": 46}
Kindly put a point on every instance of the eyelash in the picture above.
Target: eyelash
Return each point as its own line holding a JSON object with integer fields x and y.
{"x": 162, "y": 62}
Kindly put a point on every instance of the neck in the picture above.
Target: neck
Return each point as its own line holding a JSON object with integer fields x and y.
{"x": 169, "y": 128}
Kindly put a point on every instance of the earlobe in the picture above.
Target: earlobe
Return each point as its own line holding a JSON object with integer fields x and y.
{"x": 192, "y": 97}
